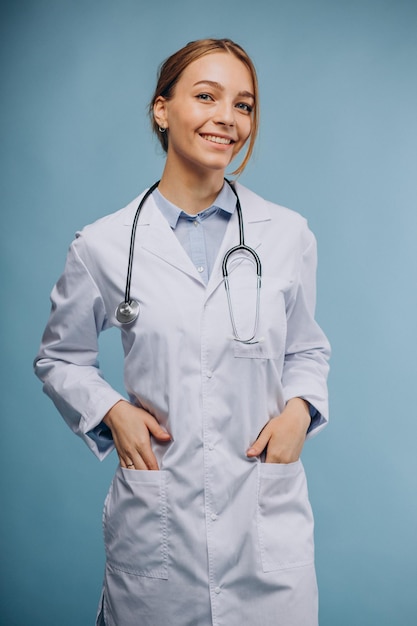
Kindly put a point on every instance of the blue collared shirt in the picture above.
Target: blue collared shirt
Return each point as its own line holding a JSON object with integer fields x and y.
{"x": 200, "y": 235}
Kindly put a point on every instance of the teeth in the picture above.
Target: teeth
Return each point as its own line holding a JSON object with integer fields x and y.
{"x": 217, "y": 139}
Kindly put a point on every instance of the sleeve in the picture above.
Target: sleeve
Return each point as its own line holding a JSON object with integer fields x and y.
{"x": 307, "y": 348}
{"x": 67, "y": 361}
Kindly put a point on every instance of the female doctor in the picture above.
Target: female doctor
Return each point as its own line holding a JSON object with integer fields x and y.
{"x": 207, "y": 521}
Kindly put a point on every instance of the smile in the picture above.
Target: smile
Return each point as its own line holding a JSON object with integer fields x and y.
{"x": 216, "y": 139}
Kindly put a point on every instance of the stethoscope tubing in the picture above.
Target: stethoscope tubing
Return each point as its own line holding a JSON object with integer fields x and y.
{"x": 128, "y": 309}
{"x": 133, "y": 239}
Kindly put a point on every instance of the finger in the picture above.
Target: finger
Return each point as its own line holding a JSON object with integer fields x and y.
{"x": 273, "y": 457}
{"x": 156, "y": 429}
{"x": 288, "y": 452}
{"x": 283, "y": 459}
{"x": 260, "y": 444}
{"x": 147, "y": 459}
{"x": 138, "y": 463}
{"x": 133, "y": 461}
{"x": 142, "y": 455}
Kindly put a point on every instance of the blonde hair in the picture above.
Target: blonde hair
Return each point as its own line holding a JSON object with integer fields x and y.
{"x": 172, "y": 68}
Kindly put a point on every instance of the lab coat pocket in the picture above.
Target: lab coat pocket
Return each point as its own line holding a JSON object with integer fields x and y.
{"x": 270, "y": 332}
{"x": 285, "y": 520}
{"x": 135, "y": 523}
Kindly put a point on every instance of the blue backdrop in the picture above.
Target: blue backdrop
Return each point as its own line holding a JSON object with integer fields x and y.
{"x": 338, "y": 142}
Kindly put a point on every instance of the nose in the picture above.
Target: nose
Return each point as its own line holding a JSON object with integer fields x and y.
{"x": 225, "y": 114}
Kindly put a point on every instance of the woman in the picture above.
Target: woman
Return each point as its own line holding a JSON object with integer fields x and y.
{"x": 220, "y": 399}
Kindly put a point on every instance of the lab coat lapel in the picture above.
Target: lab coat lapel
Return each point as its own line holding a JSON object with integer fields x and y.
{"x": 155, "y": 235}
{"x": 256, "y": 215}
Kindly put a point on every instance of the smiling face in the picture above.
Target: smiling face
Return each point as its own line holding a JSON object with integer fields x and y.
{"x": 209, "y": 117}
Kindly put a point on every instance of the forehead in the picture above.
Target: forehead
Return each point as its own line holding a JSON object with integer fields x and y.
{"x": 219, "y": 67}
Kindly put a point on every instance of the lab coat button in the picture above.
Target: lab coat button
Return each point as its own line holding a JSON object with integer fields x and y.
{"x": 213, "y": 517}
{"x": 217, "y": 590}
{"x": 209, "y": 373}
{"x": 210, "y": 446}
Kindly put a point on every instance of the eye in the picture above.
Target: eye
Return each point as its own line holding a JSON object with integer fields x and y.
{"x": 244, "y": 106}
{"x": 204, "y": 96}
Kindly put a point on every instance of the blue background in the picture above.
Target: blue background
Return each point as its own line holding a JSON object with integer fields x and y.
{"x": 338, "y": 142}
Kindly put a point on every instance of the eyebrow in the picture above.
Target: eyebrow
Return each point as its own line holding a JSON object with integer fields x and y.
{"x": 216, "y": 85}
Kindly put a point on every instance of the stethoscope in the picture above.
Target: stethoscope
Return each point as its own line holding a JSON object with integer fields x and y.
{"x": 128, "y": 310}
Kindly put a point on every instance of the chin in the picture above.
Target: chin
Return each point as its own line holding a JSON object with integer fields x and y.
{"x": 218, "y": 164}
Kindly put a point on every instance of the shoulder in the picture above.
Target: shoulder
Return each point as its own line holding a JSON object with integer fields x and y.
{"x": 103, "y": 240}
{"x": 109, "y": 227}
{"x": 258, "y": 208}
{"x": 107, "y": 223}
{"x": 249, "y": 197}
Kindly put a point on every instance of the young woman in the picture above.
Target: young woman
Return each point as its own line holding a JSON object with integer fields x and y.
{"x": 207, "y": 521}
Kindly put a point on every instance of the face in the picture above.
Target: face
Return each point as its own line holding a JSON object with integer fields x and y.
{"x": 208, "y": 119}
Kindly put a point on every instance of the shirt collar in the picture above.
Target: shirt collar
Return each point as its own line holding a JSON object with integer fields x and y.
{"x": 225, "y": 201}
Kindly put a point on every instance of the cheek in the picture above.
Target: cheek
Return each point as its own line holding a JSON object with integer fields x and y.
{"x": 246, "y": 128}
{"x": 245, "y": 136}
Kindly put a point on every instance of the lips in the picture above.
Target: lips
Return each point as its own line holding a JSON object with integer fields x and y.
{"x": 217, "y": 139}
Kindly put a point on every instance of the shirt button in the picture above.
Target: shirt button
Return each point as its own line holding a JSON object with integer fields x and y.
{"x": 210, "y": 446}
{"x": 209, "y": 373}
{"x": 217, "y": 590}
{"x": 195, "y": 223}
{"x": 213, "y": 517}
{"x": 200, "y": 269}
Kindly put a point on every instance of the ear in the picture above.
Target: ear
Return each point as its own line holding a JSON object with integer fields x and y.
{"x": 160, "y": 112}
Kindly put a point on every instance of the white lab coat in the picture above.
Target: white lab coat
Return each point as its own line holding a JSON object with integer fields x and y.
{"x": 212, "y": 538}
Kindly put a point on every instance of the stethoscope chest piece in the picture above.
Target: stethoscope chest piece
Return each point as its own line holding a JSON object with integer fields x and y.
{"x": 127, "y": 312}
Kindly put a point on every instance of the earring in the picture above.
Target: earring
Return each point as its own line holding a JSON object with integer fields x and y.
{"x": 161, "y": 129}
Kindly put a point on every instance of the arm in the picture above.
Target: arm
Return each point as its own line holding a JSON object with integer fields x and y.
{"x": 68, "y": 366}
{"x": 67, "y": 360}
{"x": 304, "y": 374}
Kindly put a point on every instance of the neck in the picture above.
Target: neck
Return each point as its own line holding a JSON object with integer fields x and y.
{"x": 191, "y": 191}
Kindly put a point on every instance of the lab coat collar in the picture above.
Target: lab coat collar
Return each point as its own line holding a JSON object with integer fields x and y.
{"x": 256, "y": 214}
{"x": 155, "y": 235}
